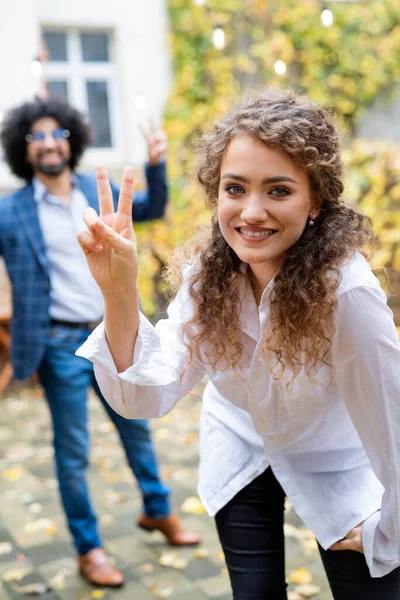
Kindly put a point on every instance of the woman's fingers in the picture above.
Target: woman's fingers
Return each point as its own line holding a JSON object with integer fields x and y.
{"x": 353, "y": 541}
{"x": 103, "y": 233}
{"x": 90, "y": 218}
{"x": 88, "y": 242}
{"x": 126, "y": 193}
{"x": 104, "y": 192}
{"x": 345, "y": 544}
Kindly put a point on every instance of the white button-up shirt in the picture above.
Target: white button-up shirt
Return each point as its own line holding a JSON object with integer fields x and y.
{"x": 334, "y": 446}
{"x": 74, "y": 294}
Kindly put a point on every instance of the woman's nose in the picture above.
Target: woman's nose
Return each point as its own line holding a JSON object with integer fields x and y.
{"x": 255, "y": 210}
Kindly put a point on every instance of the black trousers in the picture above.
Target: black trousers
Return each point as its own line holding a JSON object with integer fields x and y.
{"x": 250, "y": 528}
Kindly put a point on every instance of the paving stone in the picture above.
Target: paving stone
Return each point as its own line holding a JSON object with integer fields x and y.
{"x": 27, "y": 478}
{"x": 214, "y": 587}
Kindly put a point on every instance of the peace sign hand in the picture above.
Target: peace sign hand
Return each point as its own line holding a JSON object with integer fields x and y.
{"x": 157, "y": 143}
{"x": 110, "y": 242}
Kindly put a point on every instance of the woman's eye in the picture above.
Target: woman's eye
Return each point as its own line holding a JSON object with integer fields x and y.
{"x": 280, "y": 192}
{"x": 234, "y": 189}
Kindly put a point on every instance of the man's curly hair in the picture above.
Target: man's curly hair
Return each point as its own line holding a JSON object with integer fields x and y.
{"x": 18, "y": 122}
{"x": 303, "y": 297}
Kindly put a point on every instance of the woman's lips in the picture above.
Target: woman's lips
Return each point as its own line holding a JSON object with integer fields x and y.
{"x": 256, "y": 234}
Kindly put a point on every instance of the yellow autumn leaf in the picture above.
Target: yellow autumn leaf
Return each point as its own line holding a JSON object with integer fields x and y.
{"x": 51, "y": 529}
{"x": 300, "y": 576}
{"x": 200, "y": 553}
{"x": 12, "y": 474}
{"x": 193, "y": 505}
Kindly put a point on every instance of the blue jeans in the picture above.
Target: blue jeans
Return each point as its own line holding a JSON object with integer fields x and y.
{"x": 65, "y": 379}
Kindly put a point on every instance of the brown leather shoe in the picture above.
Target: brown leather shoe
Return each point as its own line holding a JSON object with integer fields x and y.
{"x": 172, "y": 528}
{"x": 95, "y": 566}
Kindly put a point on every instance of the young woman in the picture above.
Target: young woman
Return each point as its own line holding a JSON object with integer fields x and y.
{"x": 281, "y": 310}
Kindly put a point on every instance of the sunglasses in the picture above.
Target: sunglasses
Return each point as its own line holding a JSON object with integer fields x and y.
{"x": 40, "y": 136}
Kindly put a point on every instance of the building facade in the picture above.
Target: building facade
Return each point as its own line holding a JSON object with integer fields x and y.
{"x": 110, "y": 59}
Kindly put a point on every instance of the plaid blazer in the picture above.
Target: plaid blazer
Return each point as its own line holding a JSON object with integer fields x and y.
{"x": 24, "y": 252}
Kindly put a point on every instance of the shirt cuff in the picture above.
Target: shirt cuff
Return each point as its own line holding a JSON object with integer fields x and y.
{"x": 147, "y": 364}
{"x": 370, "y": 540}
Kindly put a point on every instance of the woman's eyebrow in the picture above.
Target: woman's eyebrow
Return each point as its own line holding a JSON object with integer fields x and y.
{"x": 276, "y": 179}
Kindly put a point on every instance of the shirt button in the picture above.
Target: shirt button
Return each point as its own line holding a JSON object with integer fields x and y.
{"x": 257, "y": 374}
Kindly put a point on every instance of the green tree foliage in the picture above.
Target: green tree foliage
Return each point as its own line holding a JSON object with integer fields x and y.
{"x": 344, "y": 66}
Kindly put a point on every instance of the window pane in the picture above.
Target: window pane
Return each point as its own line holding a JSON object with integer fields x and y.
{"x": 97, "y": 94}
{"x": 94, "y": 47}
{"x": 58, "y": 88}
{"x": 56, "y": 43}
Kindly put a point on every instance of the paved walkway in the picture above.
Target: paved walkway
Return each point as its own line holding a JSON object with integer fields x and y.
{"x": 35, "y": 551}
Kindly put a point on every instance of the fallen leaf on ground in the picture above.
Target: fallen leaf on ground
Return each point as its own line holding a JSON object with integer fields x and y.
{"x": 12, "y": 474}
{"x": 167, "y": 559}
{"x": 164, "y": 593}
{"x": 58, "y": 581}
{"x": 32, "y": 589}
{"x": 193, "y": 505}
{"x": 5, "y": 548}
{"x": 307, "y": 590}
{"x": 38, "y": 525}
{"x": 191, "y": 438}
{"x": 200, "y": 553}
{"x": 172, "y": 560}
{"x": 300, "y": 576}
{"x": 52, "y": 529}
{"x": 147, "y": 568}
{"x": 16, "y": 574}
{"x": 309, "y": 546}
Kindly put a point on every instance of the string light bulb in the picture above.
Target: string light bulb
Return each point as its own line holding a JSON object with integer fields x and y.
{"x": 327, "y": 18}
{"x": 140, "y": 102}
{"x": 219, "y": 37}
{"x": 36, "y": 68}
{"x": 280, "y": 67}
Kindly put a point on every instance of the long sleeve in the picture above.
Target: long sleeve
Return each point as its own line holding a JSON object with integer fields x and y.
{"x": 151, "y": 203}
{"x": 158, "y": 377}
{"x": 148, "y": 204}
{"x": 366, "y": 358}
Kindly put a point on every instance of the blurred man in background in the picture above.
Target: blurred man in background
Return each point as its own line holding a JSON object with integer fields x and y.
{"x": 56, "y": 304}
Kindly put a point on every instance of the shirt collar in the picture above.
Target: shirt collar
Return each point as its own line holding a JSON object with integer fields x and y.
{"x": 40, "y": 190}
{"x": 250, "y": 313}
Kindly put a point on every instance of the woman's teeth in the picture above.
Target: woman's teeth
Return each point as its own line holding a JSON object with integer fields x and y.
{"x": 264, "y": 233}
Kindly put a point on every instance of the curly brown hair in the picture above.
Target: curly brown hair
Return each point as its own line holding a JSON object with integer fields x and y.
{"x": 303, "y": 297}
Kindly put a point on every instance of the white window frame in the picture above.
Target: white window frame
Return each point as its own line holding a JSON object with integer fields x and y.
{"x": 76, "y": 73}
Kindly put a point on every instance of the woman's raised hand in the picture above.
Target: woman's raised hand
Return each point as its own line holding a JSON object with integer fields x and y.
{"x": 110, "y": 242}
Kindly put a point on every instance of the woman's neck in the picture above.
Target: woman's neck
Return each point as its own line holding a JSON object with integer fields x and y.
{"x": 260, "y": 278}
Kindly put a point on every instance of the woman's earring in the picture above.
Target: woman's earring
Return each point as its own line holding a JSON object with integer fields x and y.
{"x": 311, "y": 222}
